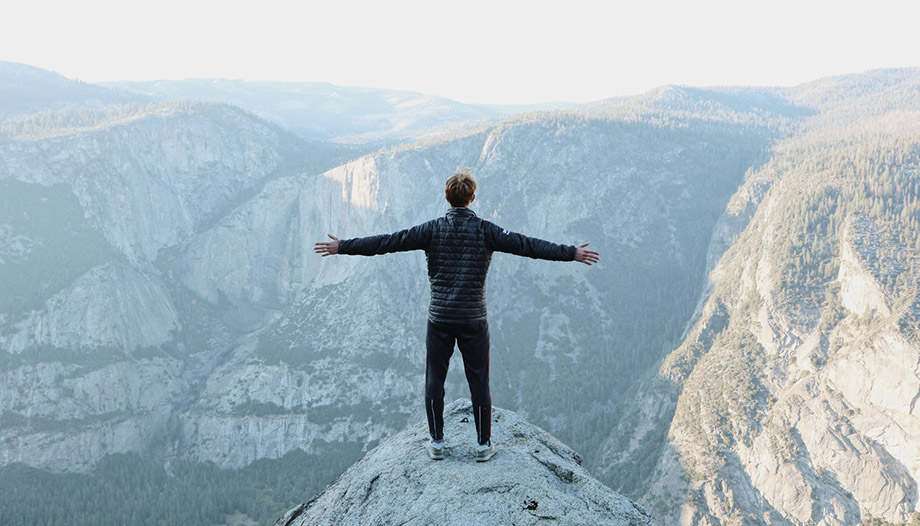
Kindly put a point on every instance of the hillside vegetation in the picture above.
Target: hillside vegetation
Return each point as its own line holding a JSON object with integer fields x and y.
{"x": 745, "y": 353}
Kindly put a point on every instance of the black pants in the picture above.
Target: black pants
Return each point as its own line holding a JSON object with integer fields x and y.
{"x": 473, "y": 341}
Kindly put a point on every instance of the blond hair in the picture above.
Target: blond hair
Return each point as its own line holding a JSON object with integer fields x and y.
{"x": 460, "y": 187}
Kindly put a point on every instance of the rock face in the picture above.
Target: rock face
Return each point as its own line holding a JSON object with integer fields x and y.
{"x": 793, "y": 398}
{"x": 532, "y": 478}
{"x": 79, "y": 316}
{"x": 92, "y": 360}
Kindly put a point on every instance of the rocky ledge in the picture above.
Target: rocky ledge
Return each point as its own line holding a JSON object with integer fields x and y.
{"x": 532, "y": 479}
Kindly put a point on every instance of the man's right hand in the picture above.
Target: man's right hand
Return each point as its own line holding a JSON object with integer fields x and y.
{"x": 327, "y": 248}
{"x": 588, "y": 257}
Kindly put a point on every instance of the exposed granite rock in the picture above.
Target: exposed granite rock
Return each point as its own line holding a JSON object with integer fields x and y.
{"x": 80, "y": 317}
{"x": 533, "y": 478}
{"x": 791, "y": 401}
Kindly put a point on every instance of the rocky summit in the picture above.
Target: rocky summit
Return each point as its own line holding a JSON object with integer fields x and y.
{"x": 532, "y": 478}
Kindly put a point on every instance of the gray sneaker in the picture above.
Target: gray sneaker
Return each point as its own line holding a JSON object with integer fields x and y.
{"x": 434, "y": 453}
{"x": 485, "y": 454}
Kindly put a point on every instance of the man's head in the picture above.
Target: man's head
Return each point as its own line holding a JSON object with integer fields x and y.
{"x": 460, "y": 188}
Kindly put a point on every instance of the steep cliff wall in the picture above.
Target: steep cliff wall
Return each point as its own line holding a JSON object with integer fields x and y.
{"x": 93, "y": 334}
{"x": 792, "y": 399}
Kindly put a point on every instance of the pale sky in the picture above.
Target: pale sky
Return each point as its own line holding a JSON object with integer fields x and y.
{"x": 473, "y": 51}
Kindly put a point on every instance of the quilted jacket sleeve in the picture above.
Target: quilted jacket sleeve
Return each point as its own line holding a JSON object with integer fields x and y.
{"x": 415, "y": 238}
{"x": 500, "y": 240}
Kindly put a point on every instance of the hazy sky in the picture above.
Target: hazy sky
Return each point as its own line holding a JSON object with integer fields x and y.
{"x": 470, "y": 50}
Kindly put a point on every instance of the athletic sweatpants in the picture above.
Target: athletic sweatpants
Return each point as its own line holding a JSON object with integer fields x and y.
{"x": 473, "y": 341}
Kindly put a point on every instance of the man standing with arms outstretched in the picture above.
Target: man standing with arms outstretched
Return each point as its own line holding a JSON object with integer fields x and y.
{"x": 458, "y": 248}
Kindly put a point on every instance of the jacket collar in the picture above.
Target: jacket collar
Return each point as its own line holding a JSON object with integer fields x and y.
{"x": 460, "y": 211}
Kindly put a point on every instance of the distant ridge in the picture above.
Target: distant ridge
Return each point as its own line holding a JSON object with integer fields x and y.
{"x": 27, "y": 89}
{"x": 328, "y": 112}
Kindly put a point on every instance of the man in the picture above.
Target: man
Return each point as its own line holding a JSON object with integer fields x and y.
{"x": 458, "y": 248}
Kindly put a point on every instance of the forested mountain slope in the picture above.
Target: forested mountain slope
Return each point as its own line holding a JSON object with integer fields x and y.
{"x": 792, "y": 399}
{"x": 160, "y": 298}
{"x": 26, "y": 89}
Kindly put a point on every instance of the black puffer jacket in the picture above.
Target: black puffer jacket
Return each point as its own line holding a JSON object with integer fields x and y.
{"x": 458, "y": 248}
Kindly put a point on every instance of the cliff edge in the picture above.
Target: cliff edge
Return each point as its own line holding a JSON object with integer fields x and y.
{"x": 533, "y": 478}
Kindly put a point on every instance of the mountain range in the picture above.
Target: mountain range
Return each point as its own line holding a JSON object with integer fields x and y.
{"x": 746, "y": 352}
{"x": 319, "y": 111}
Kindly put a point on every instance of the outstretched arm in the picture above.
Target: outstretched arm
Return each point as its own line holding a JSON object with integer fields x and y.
{"x": 506, "y": 241}
{"x": 327, "y": 248}
{"x": 415, "y": 238}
